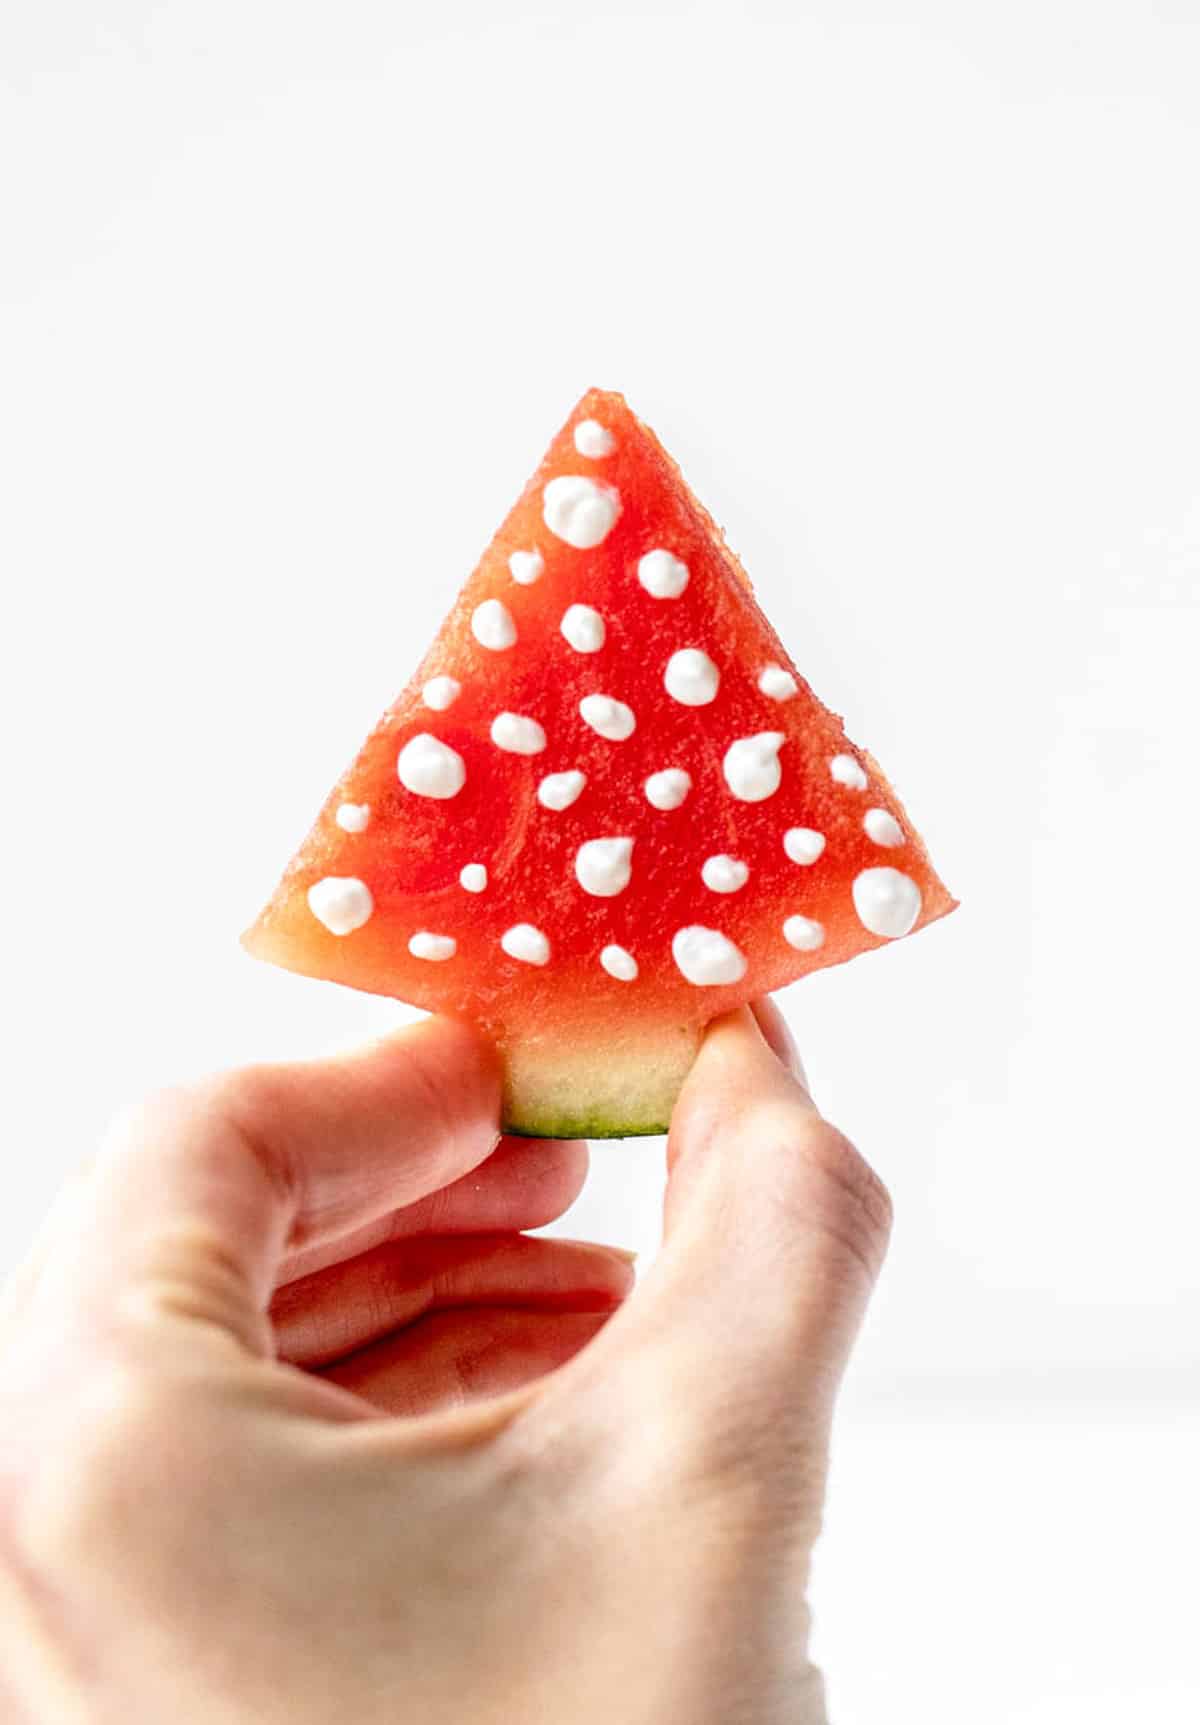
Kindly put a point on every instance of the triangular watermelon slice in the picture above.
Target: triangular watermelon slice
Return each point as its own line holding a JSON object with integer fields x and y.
{"x": 607, "y": 807}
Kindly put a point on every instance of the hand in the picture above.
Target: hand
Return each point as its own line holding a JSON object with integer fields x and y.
{"x": 207, "y": 1514}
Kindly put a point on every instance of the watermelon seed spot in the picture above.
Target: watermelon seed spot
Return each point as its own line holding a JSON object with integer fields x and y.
{"x": 493, "y": 627}
{"x": 593, "y": 439}
{"x": 430, "y": 768}
{"x": 526, "y": 567}
{"x": 803, "y": 933}
{"x": 353, "y": 817}
{"x": 523, "y": 941}
{"x": 691, "y": 678}
{"x": 666, "y": 790}
{"x": 777, "y": 684}
{"x": 583, "y": 628}
{"x": 724, "y": 874}
{"x": 517, "y": 735}
{"x": 560, "y": 790}
{"x": 608, "y": 718}
{"x": 845, "y": 770}
{"x": 663, "y": 576}
{"x": 803, "y": 844}
{"x": 603, "y": 866}
{"x": 620, "y": 964}
{"x": 473, "y": 878}
{"x": 341, "y": 902}
{"x": 437, "y": 948}
{"x": 706, "y": 957}
{"x": 441, "y": 692}
{"x": 882, "y": 828}
{"x": 579, "y": 511}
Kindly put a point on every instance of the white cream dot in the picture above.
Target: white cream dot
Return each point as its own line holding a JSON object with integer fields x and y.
{"x": 341, "y": 902}
{"x": 888, "y": 902}
{"x": 706, "y": 957}
{"x": 579, "y": 511}
{"x": 594, "y": 439}
{"x": 526, "y": 567}
{"x": 583, "y": 628}
{"x": 493, "y": 627}
{"x": 663, "y": 576}
{"x": 691, "y": 678}
{"x": 724, "y": 874}
{"x": 603, "y": 866}
{"x": 882, "y": 828}
{"x": 619, "y": 963}
{"x": 473, "y": 878}
{"x": 609, "y": 718}
{"x": 803, "y": 844}
{"x": 517, "y": 735}
{"x": 751, "y": 766}
{"x": 353, "y": 817}
{"x": 429, "y": 768}
{"x": 803, "y": 933}
{"x": 441, "y": 692}
{"x": 560, "y": 790}
{"x": 666, "y": 790}
{"x": 845, "y": 770}
{"x": 437, "y": 948}
{"x": 776, "y": 683}
{"x": 527, "y": 943}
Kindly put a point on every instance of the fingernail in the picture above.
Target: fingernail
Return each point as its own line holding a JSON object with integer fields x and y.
{"x": 621, "y": 1252}
{"x": 779, "y": 1039}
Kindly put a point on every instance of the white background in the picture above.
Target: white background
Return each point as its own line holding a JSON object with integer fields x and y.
{"x": 293, "y": 297}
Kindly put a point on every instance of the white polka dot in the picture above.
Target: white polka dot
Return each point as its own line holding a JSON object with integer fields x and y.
{"x": 663, "y": 576}
{"x": 608, "y": 718}
{"x": 437, "y": 948}
{"x": 706, "y": 958}
{"x": 666, "y": 790}
{"x": 776, "y": 683}
{"x": 803, "y": 844}
{"x": 473, "y": 878}
{"x": 803, "y": 933}
{"x": 751, "y": 766}
{"x": 441, "y": 692}
{"x": 691, "y": 678}
{"x": 527, "y": 943}
{"x": 526, "y": 567}
{"x": 619, "y": 963}
{"x": 517, "y": 735}
{"x": 883, "y": 828}
{"x": 583, "y": 628}
{"x": 594, "y": 439}
{"x": 603, "y": 866}
{"x": 341, "y": 902}
{"x": 888, "y": 902}
{"x": 579, "y": 511}
{"x": 493, "y": 627}
{"x": 353, "y": 817}
{"x": 724, "y": 874}
{"x": 846, "y": 771}
{"x": 560, "y": 790}
{"x": 429, "y": 768}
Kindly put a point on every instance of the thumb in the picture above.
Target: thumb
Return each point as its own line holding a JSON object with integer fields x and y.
{"x": 775, "y": 1229}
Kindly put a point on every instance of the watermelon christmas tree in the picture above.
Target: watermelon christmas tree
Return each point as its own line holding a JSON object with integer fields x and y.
{"x": 607, "y": 807}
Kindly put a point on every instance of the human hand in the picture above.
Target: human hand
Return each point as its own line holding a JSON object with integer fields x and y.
{"x": 196, "y": 1530}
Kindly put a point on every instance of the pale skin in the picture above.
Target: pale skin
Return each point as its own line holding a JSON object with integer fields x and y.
{"x": 296, "y": 1425}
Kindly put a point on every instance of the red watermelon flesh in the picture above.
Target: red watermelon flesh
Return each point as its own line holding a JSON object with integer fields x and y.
{"x": 606, "y": 808}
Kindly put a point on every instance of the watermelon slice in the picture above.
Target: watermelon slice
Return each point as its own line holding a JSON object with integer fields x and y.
{"x": 607, "y": 807}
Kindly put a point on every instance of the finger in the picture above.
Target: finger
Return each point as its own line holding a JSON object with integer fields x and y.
{"x": 525, "y": 1183}
{"x": 342, "y": 1309}
{"x": 775, "y": 1229}
{"x": 200, "y": 1191}
{"x": 453, "y": 1359}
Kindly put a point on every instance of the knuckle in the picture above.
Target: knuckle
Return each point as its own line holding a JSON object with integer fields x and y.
{"x": 825, "y": 1180}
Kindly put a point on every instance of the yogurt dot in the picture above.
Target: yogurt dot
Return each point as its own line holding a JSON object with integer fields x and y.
{"x": 527, "y": 943}
{"x": 473, "y": 878}
{"x": 882, "y": 828}
{"x": 706, "y": 958}
{"x": 888, "y": 902}
{"x": 619, "y": 963}
{"x": 608, "y": 718}
{"x": 583, "y": 628}
{"x": 803, "y": 844}
{"x": 594, "y": 439}
{"x": 603, "y": 866}
{"x": 429, "y": 768}
{"x": 666, "y": 790}
{"x": 691, "y": 678}
{"x": 517, "y": 735}
{"x": 663, "y": 576}
{"x": 493, "y": 627}
{"x": 803, "y": 933}
{"x": 435, "y": 947}
{"x": 441, "y": 692}
{"x": 560, "y": 790}
{"x": 341, "y": 902}
{"x": 724, "y": 874}
{"x": 845, "y": 770}
{"x": 776, "y": 683}
{"x": 751, "y": 766}
{"x": 353, "y": 817}
{"x": 579, "y": 511}
{"x": 526, "y": 567}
